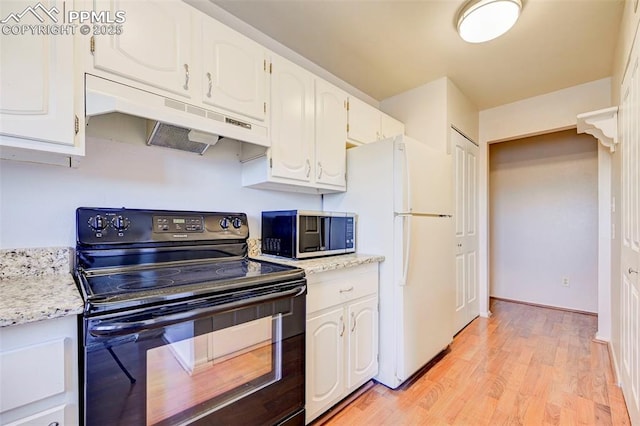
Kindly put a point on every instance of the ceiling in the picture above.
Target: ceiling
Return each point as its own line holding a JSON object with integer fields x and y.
{"x": 385, "y": 47}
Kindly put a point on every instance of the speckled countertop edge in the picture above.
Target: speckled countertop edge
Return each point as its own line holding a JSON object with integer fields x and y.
{"x": 322, "y": 264}
{"x": 35, "y": 285}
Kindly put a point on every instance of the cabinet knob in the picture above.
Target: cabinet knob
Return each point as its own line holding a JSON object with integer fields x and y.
{"x": 54, "y": 424}
{"x": 319, "y": 170}
{"x": 632, "y": 271}
{"x": 210, "y": 84}
{"x": 308, "y": 167}
{"x": 186, "y": 77}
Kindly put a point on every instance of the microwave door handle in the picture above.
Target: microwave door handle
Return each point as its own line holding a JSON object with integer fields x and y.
{"x": 325, "y": 231}
{"x": 109, "y": 329}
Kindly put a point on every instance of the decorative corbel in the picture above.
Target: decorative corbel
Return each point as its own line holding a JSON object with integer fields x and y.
{"x": 602, "y": 124}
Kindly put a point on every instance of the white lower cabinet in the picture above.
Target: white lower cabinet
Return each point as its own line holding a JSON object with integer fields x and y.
{"x": 39, "y": 373}
{"x": 341, "y": 335}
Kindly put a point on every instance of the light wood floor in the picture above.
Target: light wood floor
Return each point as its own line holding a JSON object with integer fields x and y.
{"x": 525, "y": 365}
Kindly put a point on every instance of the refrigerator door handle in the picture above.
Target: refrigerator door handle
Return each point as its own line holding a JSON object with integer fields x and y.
{"x": 406, "y": 250}
{"x": 406, "y": 202}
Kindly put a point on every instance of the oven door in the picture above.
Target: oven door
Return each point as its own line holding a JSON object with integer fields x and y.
{"x": 235, "y": 360}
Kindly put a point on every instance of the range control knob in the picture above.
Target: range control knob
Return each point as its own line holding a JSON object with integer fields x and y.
{"x": 120, "y": 223}
{"x": 237, "y": 222}
{"x": 224, "y": 223}
{"x": 97, "y": 223}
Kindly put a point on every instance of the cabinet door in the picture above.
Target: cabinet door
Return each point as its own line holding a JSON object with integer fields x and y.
{"x": 154, "y": 47}
{"x": 331, "y": 134}
{"x": 363, "y": 342}
{"x": 291, "y": 121}
{"x": 390, "y": 127}
{"x": 54, "y": 416}
{"x": 36, "y": 80}
{"x": 234, "y": 70}
{"x": 325, "y": 354}
{"x": 364, "y": 121}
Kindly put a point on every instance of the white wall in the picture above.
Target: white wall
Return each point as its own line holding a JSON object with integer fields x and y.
{"x": 544, "y": 113}
{"x": 544, "y": 220}
{"x": 534, "y": 116}
{"x": 423, "y": 111}
{"x": 428, "y": 112}
{"x": 38, "y": 201}
{"x": 463, "y": 114}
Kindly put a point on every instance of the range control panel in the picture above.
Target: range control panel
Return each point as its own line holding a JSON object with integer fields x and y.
{"x": 114, "y": 226}
{"x": 178, "y": 224}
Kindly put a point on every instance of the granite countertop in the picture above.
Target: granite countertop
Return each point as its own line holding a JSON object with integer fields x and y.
{"x": 35, "y": 284}
{"x": 322, "y": 264}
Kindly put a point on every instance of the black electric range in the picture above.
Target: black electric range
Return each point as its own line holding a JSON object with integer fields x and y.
{"x": 181, "y": 327}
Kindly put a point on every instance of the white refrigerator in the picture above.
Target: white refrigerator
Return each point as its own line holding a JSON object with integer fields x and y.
{"x": 402, "y": 192}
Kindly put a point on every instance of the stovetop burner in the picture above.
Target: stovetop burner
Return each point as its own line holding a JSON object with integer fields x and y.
{"x": 214, "y": 274}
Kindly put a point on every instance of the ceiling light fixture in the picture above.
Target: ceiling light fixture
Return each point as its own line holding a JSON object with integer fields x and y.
{"x": 484, "y": 20}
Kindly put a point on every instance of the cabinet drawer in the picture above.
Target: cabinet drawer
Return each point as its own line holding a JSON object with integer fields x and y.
{"x": 32, "y": 373}
{"x": 52, "y": 417}
{"x": 331, "y": 288}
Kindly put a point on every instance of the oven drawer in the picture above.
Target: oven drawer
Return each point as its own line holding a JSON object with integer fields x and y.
{"x": 330, "y": 288}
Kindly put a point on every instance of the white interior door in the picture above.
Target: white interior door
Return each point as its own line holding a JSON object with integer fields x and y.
{"x": 465, "y": 158}
{"x": 630, "y": 253}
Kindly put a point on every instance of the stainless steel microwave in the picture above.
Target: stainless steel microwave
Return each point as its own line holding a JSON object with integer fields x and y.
{"x": 300, "y": 234}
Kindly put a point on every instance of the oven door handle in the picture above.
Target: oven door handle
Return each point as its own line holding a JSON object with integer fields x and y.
{"x": 120, "y": 328}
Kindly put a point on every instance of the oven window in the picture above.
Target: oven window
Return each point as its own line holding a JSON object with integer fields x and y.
{"x": 235, "y": 367}
{"x": 215, "y": 369}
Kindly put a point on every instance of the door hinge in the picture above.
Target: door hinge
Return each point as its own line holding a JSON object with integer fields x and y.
{"x": 92, "y": 44}
{"x": 265, "y": 107}
{"x": 264, "y": 65}
{"x": 347, "y": 105}
{"x": 270, "y": 67}
{"x": 77, "y": 125}
{"x": 271, "y": 163}
{"x": 347, "y": 127}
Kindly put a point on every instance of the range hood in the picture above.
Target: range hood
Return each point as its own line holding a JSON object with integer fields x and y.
{"x": 173, "y": 124}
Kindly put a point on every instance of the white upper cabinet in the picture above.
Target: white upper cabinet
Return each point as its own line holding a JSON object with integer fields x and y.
{"x": 292, "y": 121}
{"x": 331, "y": 134}
{"x": 389, "y": 126}
{"x": 234, "y": 72}
{"x": 154, "y": 47}
{"x": 364, "y": 121}
{"x": 308, "y": 133}
{"x": 37, "y": 102}
{"x": 368, "y": 124}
